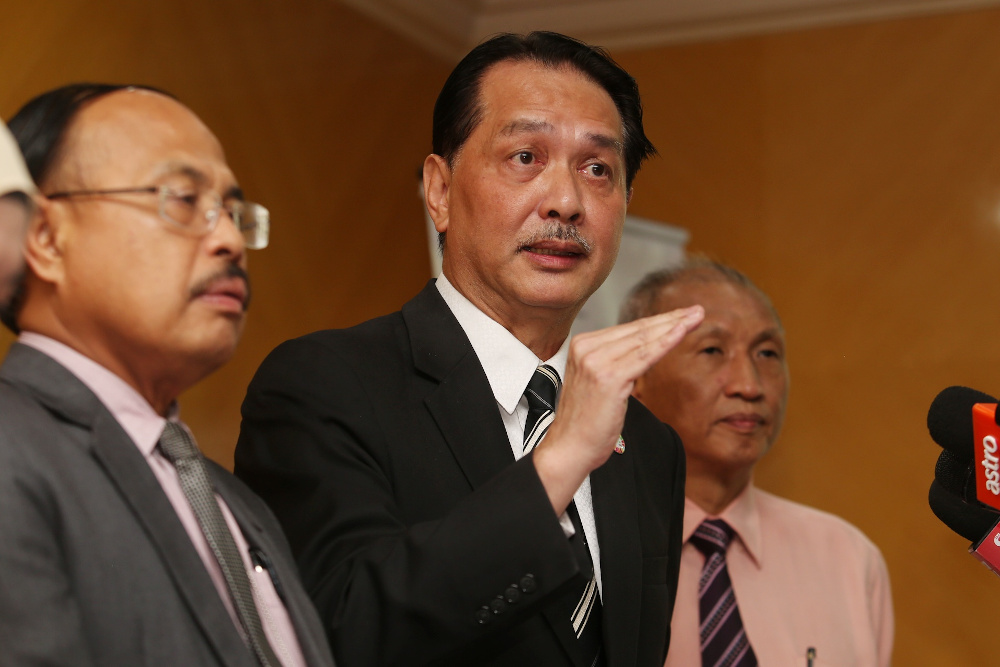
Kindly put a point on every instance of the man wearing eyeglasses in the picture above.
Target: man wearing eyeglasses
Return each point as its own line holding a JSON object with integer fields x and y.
{"x": 121, "y": 544}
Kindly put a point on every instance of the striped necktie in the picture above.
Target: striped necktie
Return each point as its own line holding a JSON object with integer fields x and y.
{"x": 542, "y": 390}
{"x": 724, "y": 642}
{"x": 179, "y": 448}
{"x": 585, "y": 614}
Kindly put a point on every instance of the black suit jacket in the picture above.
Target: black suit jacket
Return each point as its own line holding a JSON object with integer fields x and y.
{"x": 382, "y": 452}
{"x": 95, "y": 567}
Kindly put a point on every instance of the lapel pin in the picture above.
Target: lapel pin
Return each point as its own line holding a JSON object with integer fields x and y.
{"x": 620, "y": 445}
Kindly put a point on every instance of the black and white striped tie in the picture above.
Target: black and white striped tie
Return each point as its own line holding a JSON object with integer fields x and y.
{"x": 724, "y": 642}
{"x": 542, "y": 390}
{"x": 179, "y": 448}
{"x": 541, "y": 393}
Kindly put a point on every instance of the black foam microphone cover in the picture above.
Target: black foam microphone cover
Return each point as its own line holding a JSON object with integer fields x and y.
{"x": 949, "y": 419}
{"x": 970, "y": 520}
{"x": 956, "y": 476}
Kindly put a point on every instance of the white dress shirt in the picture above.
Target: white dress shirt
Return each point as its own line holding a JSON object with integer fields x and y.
{"x": 509, "y": 366}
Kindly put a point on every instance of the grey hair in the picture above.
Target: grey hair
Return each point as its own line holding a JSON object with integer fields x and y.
{"x": 643, "y": 298}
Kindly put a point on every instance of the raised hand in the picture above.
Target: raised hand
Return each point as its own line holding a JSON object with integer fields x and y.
{"x": 600, "y": 373}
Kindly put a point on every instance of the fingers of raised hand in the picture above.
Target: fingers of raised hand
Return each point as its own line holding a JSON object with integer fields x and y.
{"x": 660, "y": 333}
{"x": 634, "y": 347}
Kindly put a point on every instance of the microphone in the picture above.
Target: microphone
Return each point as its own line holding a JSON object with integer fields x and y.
{"x": 969, "y": 519}
{"x": 949, "y": 419}
{"x": 963, "y": 422}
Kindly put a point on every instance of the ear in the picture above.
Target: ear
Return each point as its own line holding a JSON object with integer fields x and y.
{"x": 44, "y": 242}
{"x": 437, "y": 182}
{"x": 628, "y": 197}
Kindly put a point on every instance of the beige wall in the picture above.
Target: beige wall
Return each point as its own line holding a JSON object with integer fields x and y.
{"x": 853, "y": 172}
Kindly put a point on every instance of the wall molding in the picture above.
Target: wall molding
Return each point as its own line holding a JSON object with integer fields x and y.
{"x": 449, "y": 28}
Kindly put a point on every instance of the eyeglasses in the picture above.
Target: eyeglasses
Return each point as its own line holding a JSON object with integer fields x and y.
{"x": 196, "y": 213}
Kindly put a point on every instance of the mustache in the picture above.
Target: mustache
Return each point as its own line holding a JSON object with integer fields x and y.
{"x": 230, "y": 271}
{"x": 558, "y": 232}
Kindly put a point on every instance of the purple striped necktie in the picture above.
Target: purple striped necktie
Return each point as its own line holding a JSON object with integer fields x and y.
{"x": 724, "y": 643}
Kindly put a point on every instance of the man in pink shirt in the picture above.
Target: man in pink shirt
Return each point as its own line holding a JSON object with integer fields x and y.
{"x": 121, "y": 544}
{"x": 763, "y": 580}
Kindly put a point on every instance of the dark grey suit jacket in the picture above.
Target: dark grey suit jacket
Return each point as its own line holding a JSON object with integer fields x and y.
{"x": 95, "y": 567}
{"x": 381, "y": 450}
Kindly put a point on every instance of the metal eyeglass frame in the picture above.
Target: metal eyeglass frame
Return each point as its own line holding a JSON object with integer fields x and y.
{"x": 253, "y": 220}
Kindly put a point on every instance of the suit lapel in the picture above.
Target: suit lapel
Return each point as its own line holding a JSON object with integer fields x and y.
{"x": 140, "y": 488}
{"x": 462, "y": 405}
{"x": 64, "y": 394}
{"x": 616, "y": 514}
{"x": 470, "y": 423}
{"x": 296, "y": 602}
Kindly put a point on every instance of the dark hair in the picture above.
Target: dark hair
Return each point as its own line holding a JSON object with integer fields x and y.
{"x": 457, "y": 111}
{"x": 643, "y": 299}
{"x": 40, "y": 130}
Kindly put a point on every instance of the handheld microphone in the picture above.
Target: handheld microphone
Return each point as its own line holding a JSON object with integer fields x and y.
{"x": 949, "y": 419}
{"x": 964, "y": 422}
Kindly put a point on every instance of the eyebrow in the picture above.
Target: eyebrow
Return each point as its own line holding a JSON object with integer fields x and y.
{"x": 174, "y": 168}
{"x": 196, "y": 175}
{"x": 525, "y": 126}
{"x": 604, "y": 141}
{"x": 772, "y": 334}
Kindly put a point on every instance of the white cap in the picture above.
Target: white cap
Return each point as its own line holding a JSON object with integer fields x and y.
{"x": 13, "y": 174}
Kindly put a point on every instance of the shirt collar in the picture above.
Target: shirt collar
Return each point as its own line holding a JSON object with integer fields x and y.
{"x": 508, "y": 364}
{"x": 743, "y": 515}
{"x": 135, "y": 415}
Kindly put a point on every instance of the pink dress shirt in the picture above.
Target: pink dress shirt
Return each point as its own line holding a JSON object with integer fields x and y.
{"x": 138, "y": 419}
{"x": 803, "y": 579}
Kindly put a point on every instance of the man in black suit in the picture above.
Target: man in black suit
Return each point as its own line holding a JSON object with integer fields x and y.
{"x": 120, "y": 544}
{"x": 398, "y": 454}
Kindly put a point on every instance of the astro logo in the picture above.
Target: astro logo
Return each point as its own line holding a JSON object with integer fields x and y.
{"x": 991, "y": 464}
{"x": 986, "y": 455}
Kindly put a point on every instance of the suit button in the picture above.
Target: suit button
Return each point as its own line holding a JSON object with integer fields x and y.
{"x": 498, "y": 606}
{"x": 528, "y": 584}
{"x": 483, "y": 615}
{"x": 512, "y": 594}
